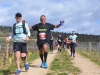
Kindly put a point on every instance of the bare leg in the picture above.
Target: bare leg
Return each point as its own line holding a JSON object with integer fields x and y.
{"x": 17, "y": 59}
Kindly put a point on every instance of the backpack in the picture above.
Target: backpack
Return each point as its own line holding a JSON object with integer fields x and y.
{"x": 23, "y": 26}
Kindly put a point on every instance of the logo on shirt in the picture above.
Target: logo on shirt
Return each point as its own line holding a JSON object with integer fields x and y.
{"x": 42, "y": 29}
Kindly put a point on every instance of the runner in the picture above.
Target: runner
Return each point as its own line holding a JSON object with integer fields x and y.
{"x": 60, "y": 41}
{"x": 21, "y": 34}
{"x": 43, "y": 37}
{"x": 64, "y": 44}
{"x": 73, "y": 43}
{"x": 51, "y": 44}
{"x": 56, "y": 43}
{"x": 68, "y": 42}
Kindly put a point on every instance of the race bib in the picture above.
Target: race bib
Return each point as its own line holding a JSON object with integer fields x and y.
{"x": 42, "y": 36}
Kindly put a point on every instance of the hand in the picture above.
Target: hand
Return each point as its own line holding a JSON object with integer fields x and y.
{"x": 7, "y": 39}
{"x": 27, "y": 38}
{"x": 74, "y": 41}
{"x": 61, "y": 22}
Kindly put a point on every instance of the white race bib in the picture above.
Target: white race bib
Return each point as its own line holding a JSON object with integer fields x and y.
{"x": 42, "y": 36}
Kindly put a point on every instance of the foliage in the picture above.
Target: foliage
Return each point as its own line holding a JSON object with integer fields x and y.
{"x": 6, "y": 31}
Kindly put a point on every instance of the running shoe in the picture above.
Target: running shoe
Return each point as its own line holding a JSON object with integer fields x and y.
{"x": 42, "y": 65}
{"x": 45, "y": 65}
{"x": 17, "y": 72}
{"x": 26, "y": 66}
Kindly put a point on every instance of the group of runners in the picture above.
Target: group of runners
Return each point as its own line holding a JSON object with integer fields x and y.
{"x": 69, "y": 41}
{"x": 21, "y": 34}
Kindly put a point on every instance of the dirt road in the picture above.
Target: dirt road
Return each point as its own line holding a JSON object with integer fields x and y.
{"x": 35, "y": 66}
{"x": 85, "y": 65}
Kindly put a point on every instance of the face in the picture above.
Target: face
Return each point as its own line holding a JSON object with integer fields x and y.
{"x": 73, "y": 33}
{"x": 59, "y": 35}
{"x": 43, "y": 20}
{"x": 18, "y": 18}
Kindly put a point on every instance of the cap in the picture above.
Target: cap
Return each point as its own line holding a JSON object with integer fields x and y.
{"x": 18, "y": 15}
{"x": 73, "y": 32}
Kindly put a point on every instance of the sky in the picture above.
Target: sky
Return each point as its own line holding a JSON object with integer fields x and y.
{"x": 81, "y": 16}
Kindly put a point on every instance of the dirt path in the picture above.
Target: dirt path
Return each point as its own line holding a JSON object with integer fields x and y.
{"x": 85, "y": 65}
{"x": 35, "y": 66}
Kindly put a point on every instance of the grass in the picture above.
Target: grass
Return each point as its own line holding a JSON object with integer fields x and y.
{"x": 62, "y": 65}
{"x": 12, "y": 67}
{"x": 93, "y": 56}
{"x": 3, "y": 40}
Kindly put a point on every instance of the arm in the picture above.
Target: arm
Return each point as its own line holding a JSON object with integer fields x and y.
{"x": 61, "y": 23}
{"x": 30, "y": 27}
{"x": 10, "y": 37}
{"x": 57, "y": 26}
{"x": 34, "y": 27}
{"x": 27, "y": 30}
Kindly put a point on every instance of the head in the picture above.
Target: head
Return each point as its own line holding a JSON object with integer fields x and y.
{"x": 59, "y": 35}
{"x": 18, "y": 17}
{"x": 43, "y": 19}
{"x": 73, "y": 32}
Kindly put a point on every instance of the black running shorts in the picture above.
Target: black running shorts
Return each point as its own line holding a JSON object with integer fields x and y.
{"x": 22, "y": 47}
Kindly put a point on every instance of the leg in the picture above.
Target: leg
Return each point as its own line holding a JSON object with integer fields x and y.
{"x": 71, "y": 48}
{"x": 23, "y": 55}
{"x": 41, "y": 55}
{"x": 16, "y": 48}
{"x": 17, "y": 59}
{"x": 50, "y": 47}
{"x": 58, "y": 47}
{"x": 45, "y": 47}
{"x": 74, "y": 50}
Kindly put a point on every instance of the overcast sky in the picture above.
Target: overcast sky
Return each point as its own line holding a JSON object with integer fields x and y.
{"x": 82, "y": 16}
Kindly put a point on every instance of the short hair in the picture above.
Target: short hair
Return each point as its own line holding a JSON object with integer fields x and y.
{"x": 42, "y": 16}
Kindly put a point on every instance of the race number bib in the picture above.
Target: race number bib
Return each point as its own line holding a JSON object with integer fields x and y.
{"x": 42, "y": 36}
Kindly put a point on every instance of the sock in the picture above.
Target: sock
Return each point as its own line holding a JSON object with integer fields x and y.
{"x": 45, "y": 56}
{"x": 26, "y": 62}
{"x": 41, "y": 56}
{"x": 18, "y": 69}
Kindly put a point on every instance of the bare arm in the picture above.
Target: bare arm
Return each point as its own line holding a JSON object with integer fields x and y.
{"x": 57, "y": 26}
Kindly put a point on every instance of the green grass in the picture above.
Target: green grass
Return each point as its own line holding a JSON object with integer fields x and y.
{"x": 3, "y": 40}
{"x": 62, "y": 65}
{"x": 93, "y": 56}
{"x": 12, "y": 67}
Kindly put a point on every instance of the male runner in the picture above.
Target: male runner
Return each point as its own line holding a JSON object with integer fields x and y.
{"x": 51, "y": 43}
{"x": 43, "y": 37}
{"x": 20, "y": 33}
{"x": 73, "y": 38}
{"x": 60, "y": 41}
